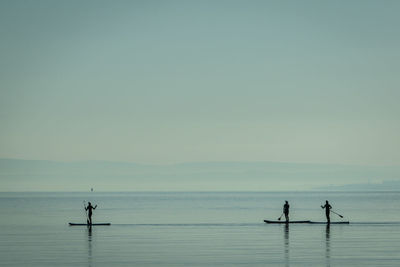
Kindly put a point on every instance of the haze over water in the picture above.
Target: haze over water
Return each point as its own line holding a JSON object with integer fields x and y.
{"x": 208, "y": 95}
{"x": 199, "y": 229}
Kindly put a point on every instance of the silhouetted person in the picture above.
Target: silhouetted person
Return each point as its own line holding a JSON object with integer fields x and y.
{"x": 89, "y": 209}
{"x": 286, "y": 210}
{"x": 327, "y": 208}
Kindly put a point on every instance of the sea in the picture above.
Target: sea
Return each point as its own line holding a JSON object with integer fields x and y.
{"x": 199, "y": 229}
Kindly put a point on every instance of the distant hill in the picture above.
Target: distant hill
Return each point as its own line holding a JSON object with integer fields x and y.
{"x": 383, "y": 186}
{"x": 38, "y": 175}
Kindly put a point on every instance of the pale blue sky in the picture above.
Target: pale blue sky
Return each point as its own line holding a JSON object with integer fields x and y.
{"x": 176, "y": 81}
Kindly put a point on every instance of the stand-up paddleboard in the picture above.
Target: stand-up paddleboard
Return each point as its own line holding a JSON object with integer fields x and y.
{"x": 284, "y": 222}
{"x": 309, "y": 222}
{"x": 346, "y": 222}
{"x": 85, "y": 224}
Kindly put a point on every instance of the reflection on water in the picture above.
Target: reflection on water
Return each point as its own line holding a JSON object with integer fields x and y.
{"x": 286, "y": 242}
{"x": 327, "y": 245}
{"x": 89, "y": 229}
{"x": 226, "y": 229}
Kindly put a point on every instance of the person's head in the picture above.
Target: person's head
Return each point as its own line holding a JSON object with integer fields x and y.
{"x": 326, "y": 201}
{"x": 286, "y": 201}
{"x": 90, "y": 204}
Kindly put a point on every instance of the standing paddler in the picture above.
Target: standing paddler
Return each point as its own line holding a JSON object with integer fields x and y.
{"x": 286, "y": 210}
{"x": 327, "y": 208}
{"x": 89, "y": 209}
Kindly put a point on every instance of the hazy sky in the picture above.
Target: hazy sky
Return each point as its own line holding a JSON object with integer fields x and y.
{"x": 176, "y": 81}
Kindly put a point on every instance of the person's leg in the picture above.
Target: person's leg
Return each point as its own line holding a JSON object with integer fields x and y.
{"x": 328, "y": 217}
{"x": 90, "y": 218}
{"x": 287, "y": 216}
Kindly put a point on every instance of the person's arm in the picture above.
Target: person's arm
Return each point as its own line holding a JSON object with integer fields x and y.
{"x": 95, "y": 207}
{"x": 86, "y": 208}
{"x": 323, "y": 206}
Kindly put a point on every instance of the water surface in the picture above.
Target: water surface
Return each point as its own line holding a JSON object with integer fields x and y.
{"x": 198, "y": 229}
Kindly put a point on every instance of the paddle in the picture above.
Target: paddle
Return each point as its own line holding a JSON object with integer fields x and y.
{"x": 280, "y": 217}
{"x": 337, "y": 214}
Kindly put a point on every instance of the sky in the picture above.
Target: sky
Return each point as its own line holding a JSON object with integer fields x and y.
{"x": 163, "y": 82}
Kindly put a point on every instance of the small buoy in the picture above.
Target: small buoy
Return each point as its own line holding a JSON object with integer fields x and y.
{"x": 91, "y": 189}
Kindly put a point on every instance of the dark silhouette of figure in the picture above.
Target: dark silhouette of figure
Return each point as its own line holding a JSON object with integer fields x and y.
{"x": 286, "y": 210}
{"x": 327, "y": 208}
{"x": 89, "y": 209}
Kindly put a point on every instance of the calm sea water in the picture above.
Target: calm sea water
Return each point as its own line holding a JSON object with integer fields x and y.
{"x": 198, "y": 229}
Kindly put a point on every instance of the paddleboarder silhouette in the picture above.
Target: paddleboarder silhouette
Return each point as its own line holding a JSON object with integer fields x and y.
{"x": 89, "y": 209}
{"x": 286, "y": 210}
{"x": 327, "y": 208}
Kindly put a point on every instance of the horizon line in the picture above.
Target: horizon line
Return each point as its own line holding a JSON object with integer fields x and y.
{"x": 192, "y": 162}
